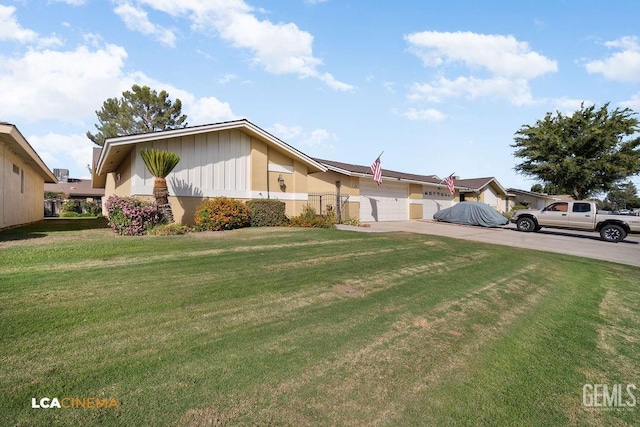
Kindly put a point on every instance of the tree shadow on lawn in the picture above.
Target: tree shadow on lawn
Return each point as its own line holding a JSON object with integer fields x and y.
{"x": 43, "y": 228}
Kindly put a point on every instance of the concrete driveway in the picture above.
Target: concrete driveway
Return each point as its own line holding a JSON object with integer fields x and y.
{"x": 585, "y": 244}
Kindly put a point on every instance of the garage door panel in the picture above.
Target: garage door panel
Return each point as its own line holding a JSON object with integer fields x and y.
{"x": 387, "y": 202}
{"x": 434, "y": 202}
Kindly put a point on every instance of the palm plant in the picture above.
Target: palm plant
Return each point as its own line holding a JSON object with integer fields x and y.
{"x": 160, "y": 164}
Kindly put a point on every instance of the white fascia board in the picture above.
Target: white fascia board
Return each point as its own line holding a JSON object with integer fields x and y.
{"x": 175, "y": 133}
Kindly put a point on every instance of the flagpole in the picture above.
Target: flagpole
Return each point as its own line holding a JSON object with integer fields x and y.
{"x": 381, "y": 154}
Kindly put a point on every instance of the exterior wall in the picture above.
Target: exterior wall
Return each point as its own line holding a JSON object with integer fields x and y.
{"x": 227, "y": 163}
{"x": 325, "y": 182}
{"x": 416, "y": 206}
{"x": 21, "y": 193}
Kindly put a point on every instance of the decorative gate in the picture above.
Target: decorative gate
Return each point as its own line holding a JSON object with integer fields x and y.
{"x": 328, "y": 202}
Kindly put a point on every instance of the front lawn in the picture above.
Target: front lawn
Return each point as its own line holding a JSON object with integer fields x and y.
{"x": 280, "y": 326}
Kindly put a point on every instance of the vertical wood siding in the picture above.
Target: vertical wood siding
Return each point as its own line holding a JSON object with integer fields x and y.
{"x": 211, "y": 164}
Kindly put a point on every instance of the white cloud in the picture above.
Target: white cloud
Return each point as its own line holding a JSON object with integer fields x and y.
{"x": 227, "y": 78}
{"x": 280, "y": 48}
{"x": 73, "y": 152}
{"x": 285, "y": 132}
{"x": 500, "y": 55}
{"x": 68, "y": 86}
{"x": 10, "y": 29}
{"x": 137, "y": 20}
{"x": 514, "y": 90}
{"x": 623, "y": 65}
{"x": 428, "y": 114}
{"x": 316, "y": 139}
{"x": 207, "y": 110}
{"x": 503, "y": 66}
{"x": 319, "y": 138}
{"x": 633, "y": 102}
{"x": 569, "y": 105}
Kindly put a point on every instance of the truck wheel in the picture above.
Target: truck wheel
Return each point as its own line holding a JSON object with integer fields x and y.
{"x": 526, "y": 224}
{"x": 612, "y": 233}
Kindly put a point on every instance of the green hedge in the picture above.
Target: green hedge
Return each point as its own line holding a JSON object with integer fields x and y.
{"x": 267, "y": 213}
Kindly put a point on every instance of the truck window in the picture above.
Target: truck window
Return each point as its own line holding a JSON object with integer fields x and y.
{"x": 581, "y": 207}
{"x": 558, "y": 207}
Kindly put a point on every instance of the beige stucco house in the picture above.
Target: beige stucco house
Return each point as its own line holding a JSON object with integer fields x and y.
{"x": 531, "y": 199}
{"x": 234, "y": 159}
{"x": 401, "y": 196}
{"x": 23, "y": 175}
{"x": 238, "y": 159}
{"x": 485, "y": 190}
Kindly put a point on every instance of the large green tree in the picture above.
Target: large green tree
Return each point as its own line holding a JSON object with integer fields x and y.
{"x": 583, "y": 154}
{"x": 140, "y": 110}
{"x": 624, "y": 196}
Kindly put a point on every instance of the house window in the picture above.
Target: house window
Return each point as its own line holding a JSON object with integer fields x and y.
{"x": 16, "y": 169}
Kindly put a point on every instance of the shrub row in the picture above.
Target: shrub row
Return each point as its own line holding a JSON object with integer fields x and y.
{"x": 134, "y": 217}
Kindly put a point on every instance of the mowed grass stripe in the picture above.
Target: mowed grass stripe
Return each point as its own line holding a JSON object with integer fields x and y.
{"x": 217, "y": 317}
{"x": 390, "y": 329}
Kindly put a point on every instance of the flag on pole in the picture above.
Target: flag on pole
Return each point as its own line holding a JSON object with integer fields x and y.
{"x": 450, "y": 185}
{"x": 376, "y": 171}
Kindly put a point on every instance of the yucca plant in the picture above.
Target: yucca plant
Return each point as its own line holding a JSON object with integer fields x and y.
{"x": 160, "y": 164}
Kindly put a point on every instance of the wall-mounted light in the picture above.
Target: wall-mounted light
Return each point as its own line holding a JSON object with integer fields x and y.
{"x": 281, "y": 182}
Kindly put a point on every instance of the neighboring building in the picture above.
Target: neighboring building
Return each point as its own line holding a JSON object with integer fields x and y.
{"x": 531, "y": 199}
{"x": 486, "y": 190}
{"x": 71, "y": 189}
{"x": 23, "y": 175}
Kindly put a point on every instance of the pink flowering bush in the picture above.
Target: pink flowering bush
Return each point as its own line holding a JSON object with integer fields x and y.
{"x": 129, "y": 216}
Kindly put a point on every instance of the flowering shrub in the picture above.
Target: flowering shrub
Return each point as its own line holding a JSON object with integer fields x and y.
{"x": 130, "y": 216}
{"x": 309, "y": 218}
{"x": 221, "y": 213}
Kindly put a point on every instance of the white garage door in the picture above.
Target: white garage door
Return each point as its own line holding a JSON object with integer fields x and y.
{"x": 435, "y": 201}
{"x": 387, "y": 202}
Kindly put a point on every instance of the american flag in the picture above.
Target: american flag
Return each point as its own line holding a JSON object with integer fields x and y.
{"x": 376, "y": 171}
{"x": 449, "y": 181}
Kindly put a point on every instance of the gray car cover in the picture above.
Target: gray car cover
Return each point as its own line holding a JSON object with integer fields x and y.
{"x": 471, "y": 213}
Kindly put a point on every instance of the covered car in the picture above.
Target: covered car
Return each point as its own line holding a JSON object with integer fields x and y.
{"x": 471, "y": 213}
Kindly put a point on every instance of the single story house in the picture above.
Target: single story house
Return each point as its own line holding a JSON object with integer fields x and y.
{"x": 23, "y": 175}
{"x": 485, "y": 190}
{"x": 401, "y": 196}
{"x": 234, "y": 159}
{"x": 240, "y": 160}
{"x": 531, "y": 199}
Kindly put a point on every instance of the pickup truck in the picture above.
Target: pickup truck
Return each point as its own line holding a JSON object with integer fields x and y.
{"x": 578, "y": 215}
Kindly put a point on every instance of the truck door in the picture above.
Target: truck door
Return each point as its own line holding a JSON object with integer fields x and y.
{"x": 582, "y": 216}
{"x": 555, "y": 215}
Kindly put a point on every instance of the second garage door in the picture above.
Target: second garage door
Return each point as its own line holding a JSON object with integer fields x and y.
{"x": 435, "y": 201}
{"x": 387, "y": 202}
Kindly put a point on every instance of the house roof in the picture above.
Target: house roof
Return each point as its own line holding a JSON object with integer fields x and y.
{"x": 362, "y": 171}
{"x": 11, "y": 136}
{"x": 75, "y": 188}
{"x": 477, "y": 184}
{"x": 116, "y": 149}
{"x": 531, "y": 193}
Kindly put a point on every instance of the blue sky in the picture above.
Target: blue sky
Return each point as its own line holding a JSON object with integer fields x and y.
{"x": 439, "y": 86}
